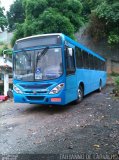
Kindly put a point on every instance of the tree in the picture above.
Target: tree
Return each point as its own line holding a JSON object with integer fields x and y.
{"x": 88, "y": 6}
{"x": 15, "y": 15}
{"x": 53, "y": 22}
{"x": 109, "y": 12}
{"x": 3, "y": 20}
{"x": 105, "y": 21}
{"x": 50, "y": 16}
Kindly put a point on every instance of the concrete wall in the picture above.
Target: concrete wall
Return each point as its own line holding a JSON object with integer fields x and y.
{"x": 112, "y": 66}
{"x": 102, "y": 48}
{"x": 5, "y": 37}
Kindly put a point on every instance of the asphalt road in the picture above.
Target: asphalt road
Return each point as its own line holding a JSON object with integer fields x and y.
{"x": 91, "y": 127}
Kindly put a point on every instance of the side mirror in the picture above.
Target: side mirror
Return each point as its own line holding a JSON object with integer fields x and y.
{"x": 70, "y": 51}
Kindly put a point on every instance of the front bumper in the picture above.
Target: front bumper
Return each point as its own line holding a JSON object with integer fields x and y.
{"x": 40, "y": 98}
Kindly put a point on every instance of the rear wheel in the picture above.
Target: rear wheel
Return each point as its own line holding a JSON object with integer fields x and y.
{"x": 100, "y": 86}
{"x": 80, "y": 95}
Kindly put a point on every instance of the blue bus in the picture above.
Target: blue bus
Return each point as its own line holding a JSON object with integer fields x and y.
{"x": 54, "y": 69}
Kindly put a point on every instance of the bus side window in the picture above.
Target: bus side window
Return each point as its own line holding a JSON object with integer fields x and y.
{"x": 99, "y": 64}
{"x": 96, "y": 63}
{"x": 70, "y": 62}
{"x": 79, "y": 58}
{"x": 85, "y": 60}
{"x": 103, "y": 66}
{"x": 91, "y": 60}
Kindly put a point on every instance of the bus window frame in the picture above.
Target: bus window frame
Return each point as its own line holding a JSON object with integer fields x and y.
{"x": 73, "y": 70}
{"x": 37, "y": 48}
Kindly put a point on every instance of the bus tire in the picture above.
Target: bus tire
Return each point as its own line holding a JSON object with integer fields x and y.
{"x": 100, "y": 86}
{"x": 80, "y": 95}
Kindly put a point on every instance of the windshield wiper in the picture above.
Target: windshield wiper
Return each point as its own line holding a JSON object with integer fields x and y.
{"x": 39, "y": 55}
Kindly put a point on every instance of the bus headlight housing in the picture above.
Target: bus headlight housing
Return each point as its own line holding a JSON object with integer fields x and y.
{"x": 57, "y": 89}
{"x": 17, "y": 90}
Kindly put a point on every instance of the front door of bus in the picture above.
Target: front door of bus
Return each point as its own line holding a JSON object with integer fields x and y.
{"x": 71, "y": 85}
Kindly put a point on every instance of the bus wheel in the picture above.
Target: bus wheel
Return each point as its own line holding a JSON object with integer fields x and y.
{"x": 80, "y": 95}
{"x": 100, "y": 86}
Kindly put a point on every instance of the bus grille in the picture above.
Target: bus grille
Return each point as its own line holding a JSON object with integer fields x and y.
{"x": 35, "y": 98}
{"x": 37, "y": 92}
{"x": 37, "y": 86}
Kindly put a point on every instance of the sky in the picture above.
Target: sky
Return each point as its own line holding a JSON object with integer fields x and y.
{"x": 6, "y": 4}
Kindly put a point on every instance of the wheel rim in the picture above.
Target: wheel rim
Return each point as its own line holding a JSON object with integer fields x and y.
{"x": 100, "y": 87}
{"x": 79, "y": 94}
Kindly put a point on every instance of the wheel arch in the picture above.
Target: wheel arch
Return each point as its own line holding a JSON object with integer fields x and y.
{"x": 100, "y": 82}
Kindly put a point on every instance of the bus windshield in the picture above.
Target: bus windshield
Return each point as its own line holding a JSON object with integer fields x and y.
{"x": 40, "y": 64}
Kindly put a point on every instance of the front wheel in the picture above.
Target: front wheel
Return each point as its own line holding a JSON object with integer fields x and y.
{"x": 80, "y": 95}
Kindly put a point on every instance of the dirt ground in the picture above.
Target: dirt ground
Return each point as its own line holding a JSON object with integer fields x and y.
{"x": 90, "y": 128}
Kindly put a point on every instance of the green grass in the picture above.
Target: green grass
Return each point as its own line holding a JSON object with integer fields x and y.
{"x": 116, "y": 89}
{"x": 114, "y": 74}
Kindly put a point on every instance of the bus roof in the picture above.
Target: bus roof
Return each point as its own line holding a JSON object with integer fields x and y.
{"x": 68, "y": 39}
{"x": 40, "y": 35}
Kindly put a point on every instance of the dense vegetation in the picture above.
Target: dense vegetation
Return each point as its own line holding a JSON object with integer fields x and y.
{"x": 48, "y": 16}
{"x": 117, "y": 86}
{"x": 30, "y": 17}
{"x": 104, "y": 21}
{"x": 3, "y": 19}
{"x": 15, "y": 15}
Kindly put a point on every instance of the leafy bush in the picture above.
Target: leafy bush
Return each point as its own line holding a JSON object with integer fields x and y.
{"x": 117, "y": 81}
{"x": 113, "y": 38}
{"x": 3, "y": 48}
{"x": 117, "y": 86}
{"x": 3, "y": 19}
{"x": 15, "y": 15}
{"x": 114, "y": 74}
{"x": 105, "y": 22}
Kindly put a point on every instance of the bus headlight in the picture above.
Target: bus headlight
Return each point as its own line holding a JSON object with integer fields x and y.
{"x": 17, "y": 90}
{"x": 57, "y": 89}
